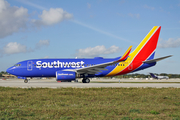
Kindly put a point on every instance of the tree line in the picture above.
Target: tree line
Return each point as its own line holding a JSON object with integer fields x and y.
{"x": 2, "y": 72}
{"x": 136, "y": 75}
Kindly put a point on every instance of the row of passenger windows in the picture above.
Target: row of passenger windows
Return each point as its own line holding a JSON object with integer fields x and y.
{"x": 82, "y": 65}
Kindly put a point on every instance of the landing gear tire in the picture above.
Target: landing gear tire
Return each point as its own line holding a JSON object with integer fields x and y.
{"x": 26, "y": 81}
{"x": 85, "y": 80}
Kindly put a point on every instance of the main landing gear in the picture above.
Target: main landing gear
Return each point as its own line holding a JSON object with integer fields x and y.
{"x": 85, "y": 80}
{"x": 25, "y": 80}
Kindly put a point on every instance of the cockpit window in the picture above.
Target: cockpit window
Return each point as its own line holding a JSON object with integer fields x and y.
{"x": 17, "y": 65}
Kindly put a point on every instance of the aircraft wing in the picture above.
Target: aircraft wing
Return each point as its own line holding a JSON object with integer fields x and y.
{"x": 97, "y": 68}
{"x": 156, "y": 60}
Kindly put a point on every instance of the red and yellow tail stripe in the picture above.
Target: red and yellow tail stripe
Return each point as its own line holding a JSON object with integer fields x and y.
{"x": 146, "y": 48}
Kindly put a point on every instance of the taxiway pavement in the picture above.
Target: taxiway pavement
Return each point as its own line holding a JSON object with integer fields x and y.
{"x": 51, "y": 83}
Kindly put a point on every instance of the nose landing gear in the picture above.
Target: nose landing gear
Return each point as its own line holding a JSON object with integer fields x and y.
{"x": 26, "y": 80}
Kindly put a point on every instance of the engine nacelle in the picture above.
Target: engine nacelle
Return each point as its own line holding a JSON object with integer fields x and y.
{"x": 65, "y": 75}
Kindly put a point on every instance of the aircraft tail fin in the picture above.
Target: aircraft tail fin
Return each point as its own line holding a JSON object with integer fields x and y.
{"x": 152, "y": 75}
{"x": 146, "y": 49}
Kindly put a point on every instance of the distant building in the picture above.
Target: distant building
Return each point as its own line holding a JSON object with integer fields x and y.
{"x": 8, "y": 76}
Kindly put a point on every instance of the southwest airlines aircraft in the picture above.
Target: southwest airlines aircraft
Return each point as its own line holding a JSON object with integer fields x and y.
{"x": 70, "y": 69}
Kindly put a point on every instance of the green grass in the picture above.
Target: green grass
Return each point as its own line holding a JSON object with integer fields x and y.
{"x": 90, "y": 103}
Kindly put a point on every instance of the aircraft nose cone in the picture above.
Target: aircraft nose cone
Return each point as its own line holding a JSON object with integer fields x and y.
{"x": 9, "y": 70}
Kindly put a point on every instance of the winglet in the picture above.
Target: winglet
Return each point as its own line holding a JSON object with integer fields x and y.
{"x": 126, "y": 54}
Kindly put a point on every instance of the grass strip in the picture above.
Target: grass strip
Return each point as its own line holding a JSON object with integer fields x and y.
{"x": 90, "y": 103}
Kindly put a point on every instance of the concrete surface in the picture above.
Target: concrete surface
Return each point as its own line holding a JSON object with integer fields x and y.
{"x": 51, "y": 83}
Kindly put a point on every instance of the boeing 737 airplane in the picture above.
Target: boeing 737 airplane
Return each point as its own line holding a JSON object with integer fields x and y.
{"x": 158, "y": 77}
{"x": 70, "y": 69}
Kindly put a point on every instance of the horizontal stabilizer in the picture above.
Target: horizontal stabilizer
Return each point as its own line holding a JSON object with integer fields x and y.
{"x": 156, "y": 60}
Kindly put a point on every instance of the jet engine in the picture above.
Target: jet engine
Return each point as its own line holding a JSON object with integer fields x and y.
{"x": 65, "y": 75}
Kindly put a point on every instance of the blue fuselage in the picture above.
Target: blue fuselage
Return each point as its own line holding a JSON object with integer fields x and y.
{"x": 48, "y": 67}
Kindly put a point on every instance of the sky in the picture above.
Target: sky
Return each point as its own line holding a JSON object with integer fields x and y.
{"x": 33, "y": 29}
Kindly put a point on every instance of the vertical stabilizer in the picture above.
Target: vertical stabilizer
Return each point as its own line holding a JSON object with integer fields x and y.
{"x": 153, "y": 76}
{"x": 146, "y": 49}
